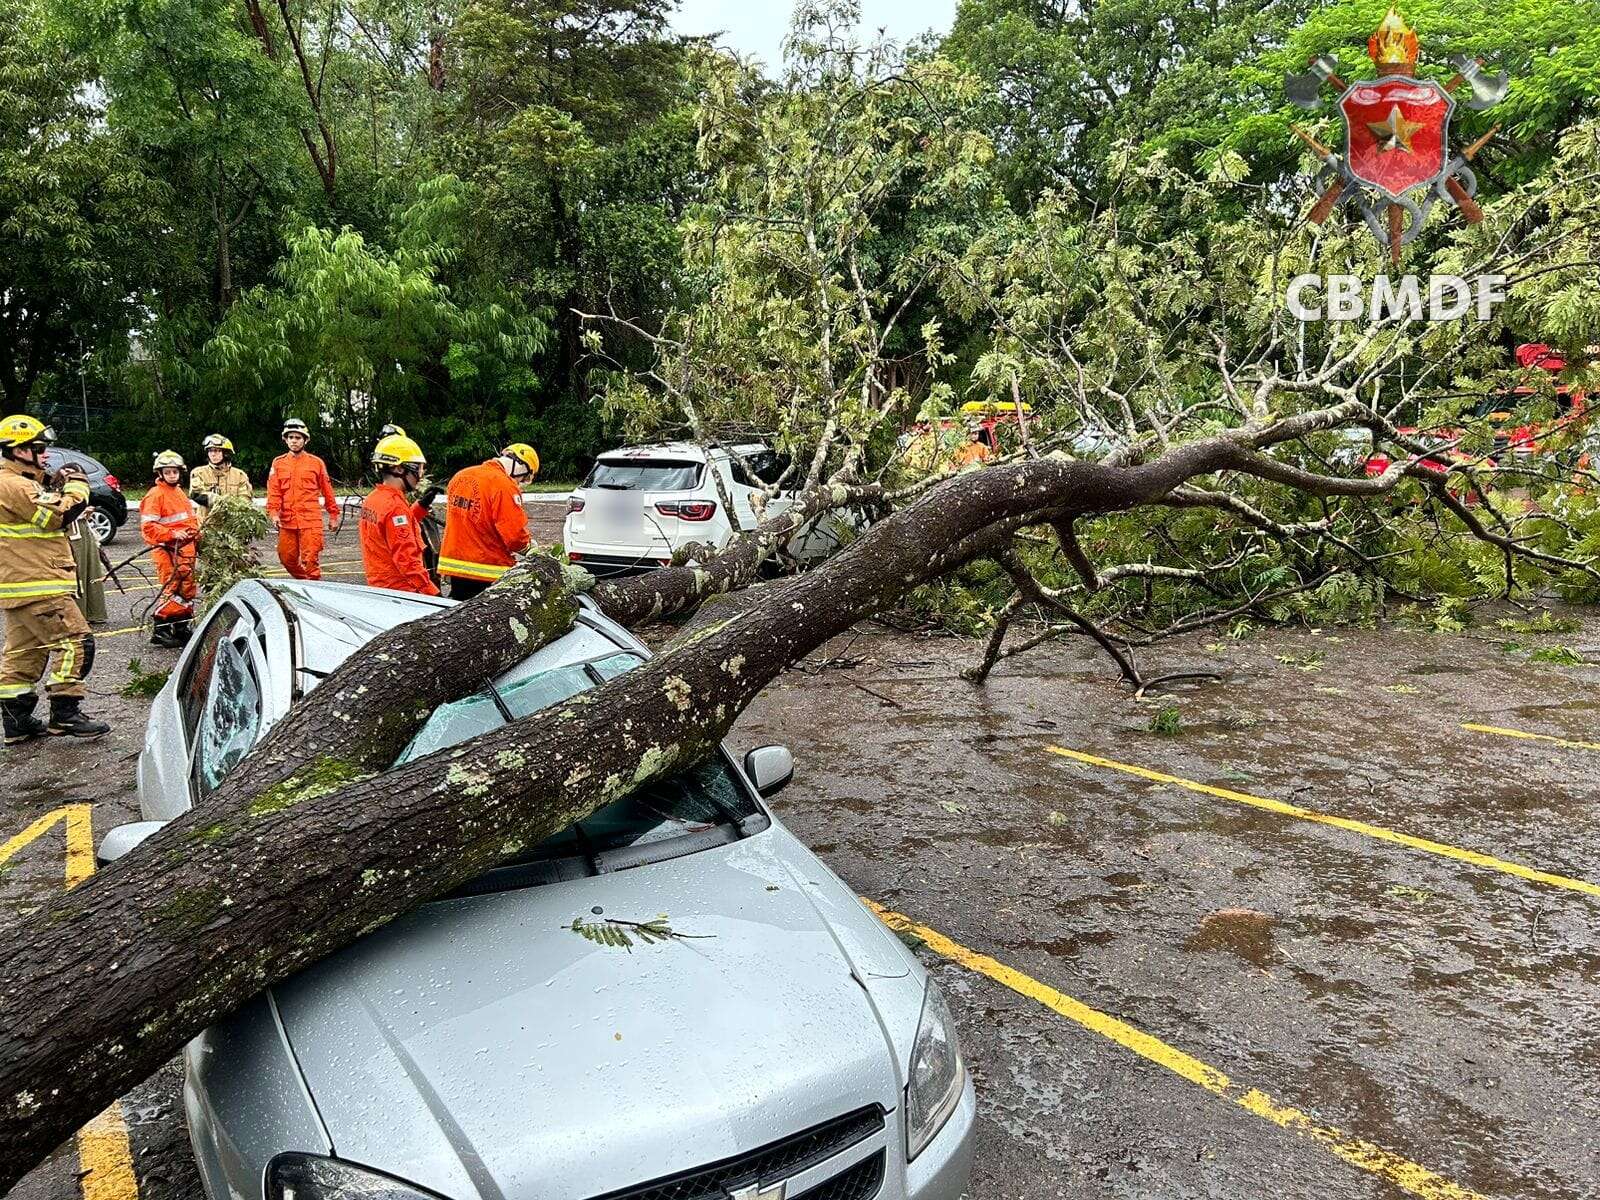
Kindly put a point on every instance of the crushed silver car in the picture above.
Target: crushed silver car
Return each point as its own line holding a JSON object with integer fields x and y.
{"x": 671, "y": 1000}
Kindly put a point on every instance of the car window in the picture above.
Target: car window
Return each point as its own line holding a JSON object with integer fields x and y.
{"x": 769, "y": 466}
{"x": 231, "y": 720}
{"x": 697, "y": 801}
{"x": 54, "y": 458}
{"x": 644, "y": 475}
{"x": 196, "y": 686}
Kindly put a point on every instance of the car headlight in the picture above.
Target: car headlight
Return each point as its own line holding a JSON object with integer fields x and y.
{"x": 937, "y": 1073}
{"x": 312, "y": 1177}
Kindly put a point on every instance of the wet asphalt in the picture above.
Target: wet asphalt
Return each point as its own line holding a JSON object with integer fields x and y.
{"x": 1392, "y": 1021}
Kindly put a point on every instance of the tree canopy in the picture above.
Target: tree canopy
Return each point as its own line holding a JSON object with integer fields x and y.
{"x": 559, "y": 222}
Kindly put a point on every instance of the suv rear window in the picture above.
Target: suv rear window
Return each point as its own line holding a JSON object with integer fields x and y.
{"x": 644, "y": 475}
{"x": 699, "y": 808}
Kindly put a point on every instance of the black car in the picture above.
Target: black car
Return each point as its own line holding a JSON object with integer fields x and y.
{"x": 108, "y": 507}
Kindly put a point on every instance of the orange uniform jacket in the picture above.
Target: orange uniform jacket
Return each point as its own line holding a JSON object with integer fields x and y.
{"x": 391, "y": 542}
{"x": 297, "y": 486}
{"x": 165, "y": 513}
{"x": 485, "y": 527}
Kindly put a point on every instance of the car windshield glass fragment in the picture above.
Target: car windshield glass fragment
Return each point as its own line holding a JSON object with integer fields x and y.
{"x": 698, "y": 800}
{"x": 644, "y": 475}
{"x": 232, "y": 714}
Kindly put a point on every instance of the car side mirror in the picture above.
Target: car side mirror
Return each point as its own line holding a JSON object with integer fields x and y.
{"x": 770, "y": 768}
{"x": 123, "y": 839}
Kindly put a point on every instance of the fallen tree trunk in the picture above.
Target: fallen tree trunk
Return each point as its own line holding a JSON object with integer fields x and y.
{"x": 294, "y": 859}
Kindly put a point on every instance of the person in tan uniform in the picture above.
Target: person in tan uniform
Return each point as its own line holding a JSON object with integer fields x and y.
{"x": 217, "y": 476}
{"x": 37, "y": 582}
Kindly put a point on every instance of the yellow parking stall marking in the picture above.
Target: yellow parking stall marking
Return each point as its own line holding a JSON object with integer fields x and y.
{"x": 105, "y": 1156}
{"x": 1472, "y": 857}
{"x": 111, "y": 633}
{"x": 80, "y": 840}
{"x": 1566, "y": 743}
{"x": 1397, "y": 1170}
{"x": 156, "y": 587}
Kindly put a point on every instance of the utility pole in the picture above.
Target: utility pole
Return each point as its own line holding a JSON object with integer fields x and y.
{"x": 83, "y": 386}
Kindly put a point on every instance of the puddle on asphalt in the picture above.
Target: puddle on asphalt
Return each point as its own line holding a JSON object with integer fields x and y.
{"x": 1240, "y": 931}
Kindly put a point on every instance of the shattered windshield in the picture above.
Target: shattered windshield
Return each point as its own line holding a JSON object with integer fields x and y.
{"x": 707, "y": 800}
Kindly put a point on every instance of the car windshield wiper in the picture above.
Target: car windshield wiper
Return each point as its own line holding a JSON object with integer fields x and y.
{"x": 616, "y": 487}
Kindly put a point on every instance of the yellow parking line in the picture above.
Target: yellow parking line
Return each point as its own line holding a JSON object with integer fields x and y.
{"x": 1568, "y": 743}
{"x": 105, "y": 1157}
{"x": 1362, "y": 827}
{"x": 80, "y": 840}
{"x": 155, "y": 587}
{"x": 1401, "y": 1172}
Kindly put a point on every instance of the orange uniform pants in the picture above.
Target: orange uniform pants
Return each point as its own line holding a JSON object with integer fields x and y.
{"x": 175, "y": 570}
{"x": 300, "y": 551}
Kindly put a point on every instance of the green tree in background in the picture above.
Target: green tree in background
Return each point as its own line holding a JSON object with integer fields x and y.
{"x": 351, "y": 334}
{"x": 78, "y": 213}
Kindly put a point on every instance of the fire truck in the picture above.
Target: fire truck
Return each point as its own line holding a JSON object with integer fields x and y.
{"x": 1514, "y": 437}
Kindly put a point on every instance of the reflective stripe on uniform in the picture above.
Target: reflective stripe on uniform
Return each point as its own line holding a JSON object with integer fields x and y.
{"x": 68, "y": 660}
{"x": 41, "y": 517}
{"x": 38, "y": 587}
{"x": 11, "y": 691}
{"x": 471, "y": 570}
{"x": 26, "y": 531}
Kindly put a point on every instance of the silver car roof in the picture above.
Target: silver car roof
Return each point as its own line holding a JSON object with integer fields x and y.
{"x": 334, "y": 620}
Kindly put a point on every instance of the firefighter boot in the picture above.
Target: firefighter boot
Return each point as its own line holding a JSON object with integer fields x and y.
{"x": 20, "y": 723}
{"x": 67, "y": 720}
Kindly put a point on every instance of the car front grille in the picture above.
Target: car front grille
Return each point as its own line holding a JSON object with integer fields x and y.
{"x": 779, "y": 1161}
{"x": 860, "y": 1182}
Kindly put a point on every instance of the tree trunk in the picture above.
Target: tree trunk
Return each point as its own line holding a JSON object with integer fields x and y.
{"x": 308, "y": 847}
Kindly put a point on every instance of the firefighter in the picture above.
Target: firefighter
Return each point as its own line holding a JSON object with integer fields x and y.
{"x": 36, "y": 589}
{"x": 298, "y": 490}
{"x": 391, "y": 525}
{"x": 169, "y": 524}
{"x": 217, "y": 477}
{"x": 485, "y": 527}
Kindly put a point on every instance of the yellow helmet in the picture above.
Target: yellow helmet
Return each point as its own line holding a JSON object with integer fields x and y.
{"x": 525, "y": 454}
{"x": 21, "y": 430}
{"x": 397, "y": 450}
{"x": 168, "y": 458}
{"x": 216, "y": 441}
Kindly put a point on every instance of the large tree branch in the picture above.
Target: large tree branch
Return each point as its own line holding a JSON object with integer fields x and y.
{"x": 330, "y": 849}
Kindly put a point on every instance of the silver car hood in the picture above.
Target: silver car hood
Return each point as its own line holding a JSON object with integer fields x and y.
{"x": 481, "y": 1048}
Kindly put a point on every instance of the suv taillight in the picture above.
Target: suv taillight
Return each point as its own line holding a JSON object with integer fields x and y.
{"x": 111, "y": 482}
{"x": 574, "y": 504}
{"x": 688, "y": 510}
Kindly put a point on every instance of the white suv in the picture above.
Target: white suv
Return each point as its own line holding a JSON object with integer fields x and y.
{"x": 641, "y": 503}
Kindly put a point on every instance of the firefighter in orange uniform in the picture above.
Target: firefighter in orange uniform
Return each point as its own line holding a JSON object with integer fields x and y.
{"x": 391, "y": 525}
{"x": 485, "y": 527}
{"x": 168, "y": 521}
{"x": 298, "y": 490}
